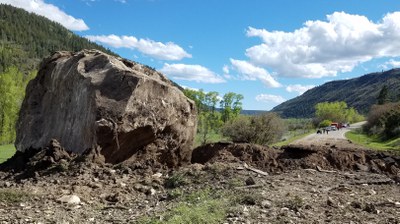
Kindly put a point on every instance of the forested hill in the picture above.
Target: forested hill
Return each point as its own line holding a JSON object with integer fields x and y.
{"x": 26, "y": 38}
{"x": 359, "y": 93}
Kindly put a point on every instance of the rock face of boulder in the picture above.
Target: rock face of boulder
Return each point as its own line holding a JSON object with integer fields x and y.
{"x": 90, "y": 99}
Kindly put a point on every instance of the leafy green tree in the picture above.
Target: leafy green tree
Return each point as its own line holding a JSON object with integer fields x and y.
{"x": 336, "y": 112}
{"x": 209, "y": 119}
{"x": 12, "y": 91}
{"x": 231, "y": 105}
{"x": 325, "y": 123}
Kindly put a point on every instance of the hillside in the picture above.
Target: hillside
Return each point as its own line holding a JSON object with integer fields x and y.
{"x": 359, "y": 93}
{"x": 26, "y": 38}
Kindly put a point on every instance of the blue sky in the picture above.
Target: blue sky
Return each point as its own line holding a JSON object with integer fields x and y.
{"x": 268, "y": 51}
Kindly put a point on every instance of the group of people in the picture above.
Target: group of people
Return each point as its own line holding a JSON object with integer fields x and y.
{"x": 324, "y": 131}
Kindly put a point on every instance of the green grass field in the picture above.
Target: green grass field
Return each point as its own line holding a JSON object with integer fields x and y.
{"x": 293, "y": 138}
{"x": 212, "y": 137}
{"x": 373, "y": 142}
{"x": 6, "y": 151}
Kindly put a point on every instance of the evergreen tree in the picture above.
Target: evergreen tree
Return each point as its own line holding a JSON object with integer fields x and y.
{"x": 383, "y": 96}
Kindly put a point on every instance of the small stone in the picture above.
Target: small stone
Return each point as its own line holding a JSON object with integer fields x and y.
{"x": 397, "y": 204}
{"x": 284, "y": 209}
{"x": 356, "y": 204}
{"x": 70, "y": 199}
{"x": 240, "y": 168}
{"x": 362, "y": 167}
{"x": 372, "y": 192}
{"x": 114, "y": 198}
{"x": 7, "y": 184}
{"x": 370, "y": 208}
{"x": 266, "y": 204}
{"x": 157, "y": 175}
{"x": 151, "y": 191}
{"x": 330, "y": 202}
{"x": 250, "y": 181}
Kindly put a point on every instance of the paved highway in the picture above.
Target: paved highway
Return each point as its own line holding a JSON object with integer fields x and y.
{"x": 331, "y": 137}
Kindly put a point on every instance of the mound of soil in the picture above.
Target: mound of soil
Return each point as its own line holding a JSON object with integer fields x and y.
{"x": 255, "y": 155}
{"x": 52, "y": 185}
{"x": 51, "y": 159}
{"x": 293, "y": 157}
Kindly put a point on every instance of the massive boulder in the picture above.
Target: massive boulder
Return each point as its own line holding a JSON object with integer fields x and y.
{"x": 89, "y": 99}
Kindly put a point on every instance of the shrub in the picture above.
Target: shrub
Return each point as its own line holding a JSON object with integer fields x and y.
{"x": 325, "y": 123}
{"x": 262, "y": 129}
{"x": 384, "y": 120}
{"x": 174, "y": 181}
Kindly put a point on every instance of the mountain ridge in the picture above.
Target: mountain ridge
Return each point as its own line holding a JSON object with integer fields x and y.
{"x": 26, "y": 38}
{"x": 360, "y": 93}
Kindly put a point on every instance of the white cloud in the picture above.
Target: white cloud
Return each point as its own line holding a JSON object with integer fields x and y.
{"x": 190, "y": 88}
{"x": 268, "y": 98}
{"x": 158, "y": 50}
{"x": 225, "y": 69}
{"x": 324, "y": 48}
{"x": 390, "y": 64}
{"x": 195, "y": 73}
{"x": 49, "y": 11}
{"x": 393, "y": 63}
{"x": 298, "y": 88}
{"x": 251, "y": 72}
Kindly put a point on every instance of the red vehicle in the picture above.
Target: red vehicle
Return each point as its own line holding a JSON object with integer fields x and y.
{"x": 338, "y": 125}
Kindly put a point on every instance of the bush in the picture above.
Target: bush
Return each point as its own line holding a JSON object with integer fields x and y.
{"x": 239, "y": 130}
{"x": 384, "y": 121}
{"x": 262, "y": 129}
{"x": 325, "y": 123}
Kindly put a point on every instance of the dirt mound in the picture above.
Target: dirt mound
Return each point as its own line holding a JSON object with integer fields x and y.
{"x": 51, "y": 159}
{"x": 294, "y": 157}
{"x": 256, "y": 155}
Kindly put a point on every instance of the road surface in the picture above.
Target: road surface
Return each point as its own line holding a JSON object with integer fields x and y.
{"x": 332, "y": 137}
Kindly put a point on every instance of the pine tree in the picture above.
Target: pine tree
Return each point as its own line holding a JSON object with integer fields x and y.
{"x": 383, "y": 96}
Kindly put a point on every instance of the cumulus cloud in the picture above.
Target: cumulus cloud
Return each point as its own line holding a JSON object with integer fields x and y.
{"x": 390, "y": 64}
{"x": 49, "y": 11}
{"x": 195, "y": 73}
{"x": 251, "y": 72}
{"x": 324, "y": 48}
{"x": 393, "y": 63}
{"x": 300, "y": 89}
{"x": 268, "y": 98}
{"x": 158, "y": 50}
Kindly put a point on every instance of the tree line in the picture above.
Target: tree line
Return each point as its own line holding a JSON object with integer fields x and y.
{"x": 26, "y": 38}
{"x": 12, "y": 91}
